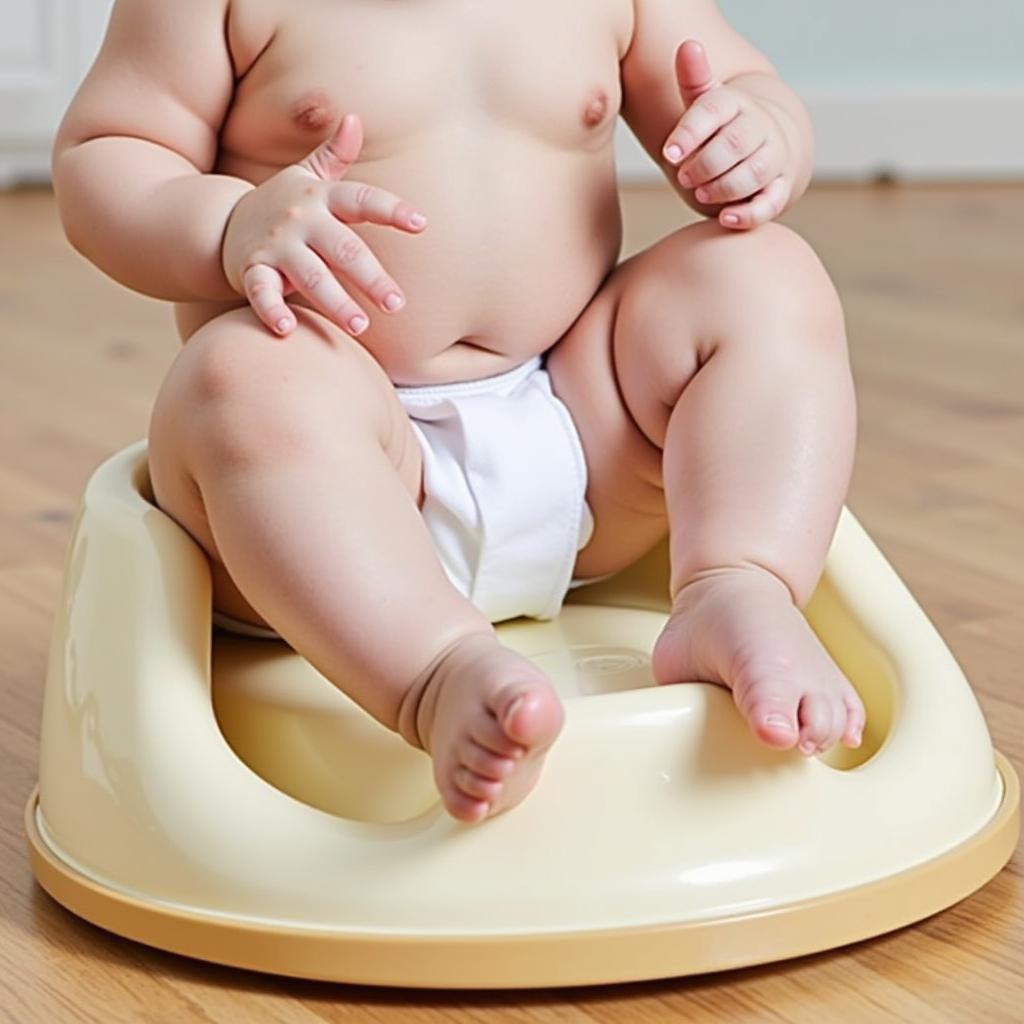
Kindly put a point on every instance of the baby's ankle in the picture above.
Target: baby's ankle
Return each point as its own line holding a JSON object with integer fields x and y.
{"x": 416, "y": 711}
{"x": 722, "y": 580}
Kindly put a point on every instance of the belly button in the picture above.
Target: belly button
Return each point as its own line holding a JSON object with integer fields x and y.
{"x": 595, "y": 111}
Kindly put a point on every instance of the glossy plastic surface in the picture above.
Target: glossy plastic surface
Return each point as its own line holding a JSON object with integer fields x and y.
{"x": 260, "y": 794}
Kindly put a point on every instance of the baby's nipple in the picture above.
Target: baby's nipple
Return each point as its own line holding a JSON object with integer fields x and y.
{"x": 314, "y": 111}
{"x": 596, "y": 109}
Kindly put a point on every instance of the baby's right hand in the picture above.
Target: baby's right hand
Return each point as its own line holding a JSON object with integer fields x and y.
{"x": 290, "y": 234}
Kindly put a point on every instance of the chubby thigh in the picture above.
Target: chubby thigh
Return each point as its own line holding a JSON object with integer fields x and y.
{"x": 236, "y": 396}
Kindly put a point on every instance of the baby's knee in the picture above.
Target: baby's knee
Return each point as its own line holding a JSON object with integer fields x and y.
{"x": 717, "y": 257}
{"x": 767, "y": 281}
{"x": 792, "y": 274}
{"x": 235, "y": 394}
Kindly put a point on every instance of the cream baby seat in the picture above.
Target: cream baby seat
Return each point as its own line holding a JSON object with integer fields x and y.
{"x": 215, "y": 796}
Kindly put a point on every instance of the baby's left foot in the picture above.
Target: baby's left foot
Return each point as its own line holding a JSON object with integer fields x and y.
{"x": 739, "y": 627}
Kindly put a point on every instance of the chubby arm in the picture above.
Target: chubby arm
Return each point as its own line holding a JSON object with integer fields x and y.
{"x": 132, "y": 156}
{"x": 653, "y": 79}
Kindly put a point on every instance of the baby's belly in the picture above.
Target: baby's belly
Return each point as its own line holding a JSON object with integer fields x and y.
{"x": 518, "y": 240}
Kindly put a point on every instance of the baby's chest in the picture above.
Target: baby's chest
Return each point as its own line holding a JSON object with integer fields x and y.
{"x": 547, "y": 68}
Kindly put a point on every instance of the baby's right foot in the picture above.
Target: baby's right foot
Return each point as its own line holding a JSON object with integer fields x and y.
{"x": 487, "y": 717}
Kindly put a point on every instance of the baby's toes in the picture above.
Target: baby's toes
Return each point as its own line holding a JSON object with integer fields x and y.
{"x": 463, "y": 807}
{"x": 489, "y": 735}
{"x": 855, "y": 718}
{"x": 822, "y": 718}
{"x": 490, "y": 766}
{"x": 773, "y": 718}
{"x": 476, "y": 786}
{"x": 532, "y": 716}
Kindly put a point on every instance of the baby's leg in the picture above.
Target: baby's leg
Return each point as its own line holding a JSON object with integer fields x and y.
{"x": 293, "y": 464}
{"x": 728, "y": 360}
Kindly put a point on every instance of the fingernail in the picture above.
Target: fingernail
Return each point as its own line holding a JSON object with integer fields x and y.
{"x": 730, "y": 218}
{"x": 393, "y": 301}
{"x": 684, "y": 179}
{"x": 703, "y": 195}
{"x": 283, "y": 324}
{"x": 417, "y": 220}
{"x": 357, "y": 324}
{"x": 673, "y": 154}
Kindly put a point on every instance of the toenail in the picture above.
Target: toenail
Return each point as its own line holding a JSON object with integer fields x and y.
{"x": 808, "y": 747}
{"x": 780, "y": 722}
{"x": 514, "y": 706}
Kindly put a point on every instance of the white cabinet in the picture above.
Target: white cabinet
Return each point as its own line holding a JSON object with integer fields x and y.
{"x": 46, "y": 46}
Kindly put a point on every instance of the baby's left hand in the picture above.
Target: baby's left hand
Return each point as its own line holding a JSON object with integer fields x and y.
{"x": 731, "y": 146}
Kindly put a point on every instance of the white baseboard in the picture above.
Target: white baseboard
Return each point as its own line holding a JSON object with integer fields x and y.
{"x": 24, "y": 165}
{"x": 914, "y": 137}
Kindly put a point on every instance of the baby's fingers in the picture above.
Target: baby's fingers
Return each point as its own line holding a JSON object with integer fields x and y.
{"x": 350, "y": 257}
{"x": 357, "y": 203}
{"x": 713, "y": 110}
{"x": 763, "y": 207}
{"x": 315, "y": 282}
{"x": 264, "y": 288}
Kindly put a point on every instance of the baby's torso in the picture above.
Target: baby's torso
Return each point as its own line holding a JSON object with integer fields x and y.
{"x": 496, "y": 119}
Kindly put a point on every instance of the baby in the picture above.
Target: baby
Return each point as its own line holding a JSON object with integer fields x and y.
{"x": 418, "y": 395}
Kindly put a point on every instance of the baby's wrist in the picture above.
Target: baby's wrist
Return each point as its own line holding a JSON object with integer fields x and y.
{"x": 234, "y": 285}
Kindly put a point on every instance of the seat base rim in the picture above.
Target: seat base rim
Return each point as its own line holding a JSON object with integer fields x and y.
{"x": 518, "y": 960}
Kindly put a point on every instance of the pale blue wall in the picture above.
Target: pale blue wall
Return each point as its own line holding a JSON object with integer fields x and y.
{"x": 898, "y": 45}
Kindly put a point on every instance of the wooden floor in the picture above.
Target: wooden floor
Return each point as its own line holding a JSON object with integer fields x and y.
{"x": 931, "y": 279}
